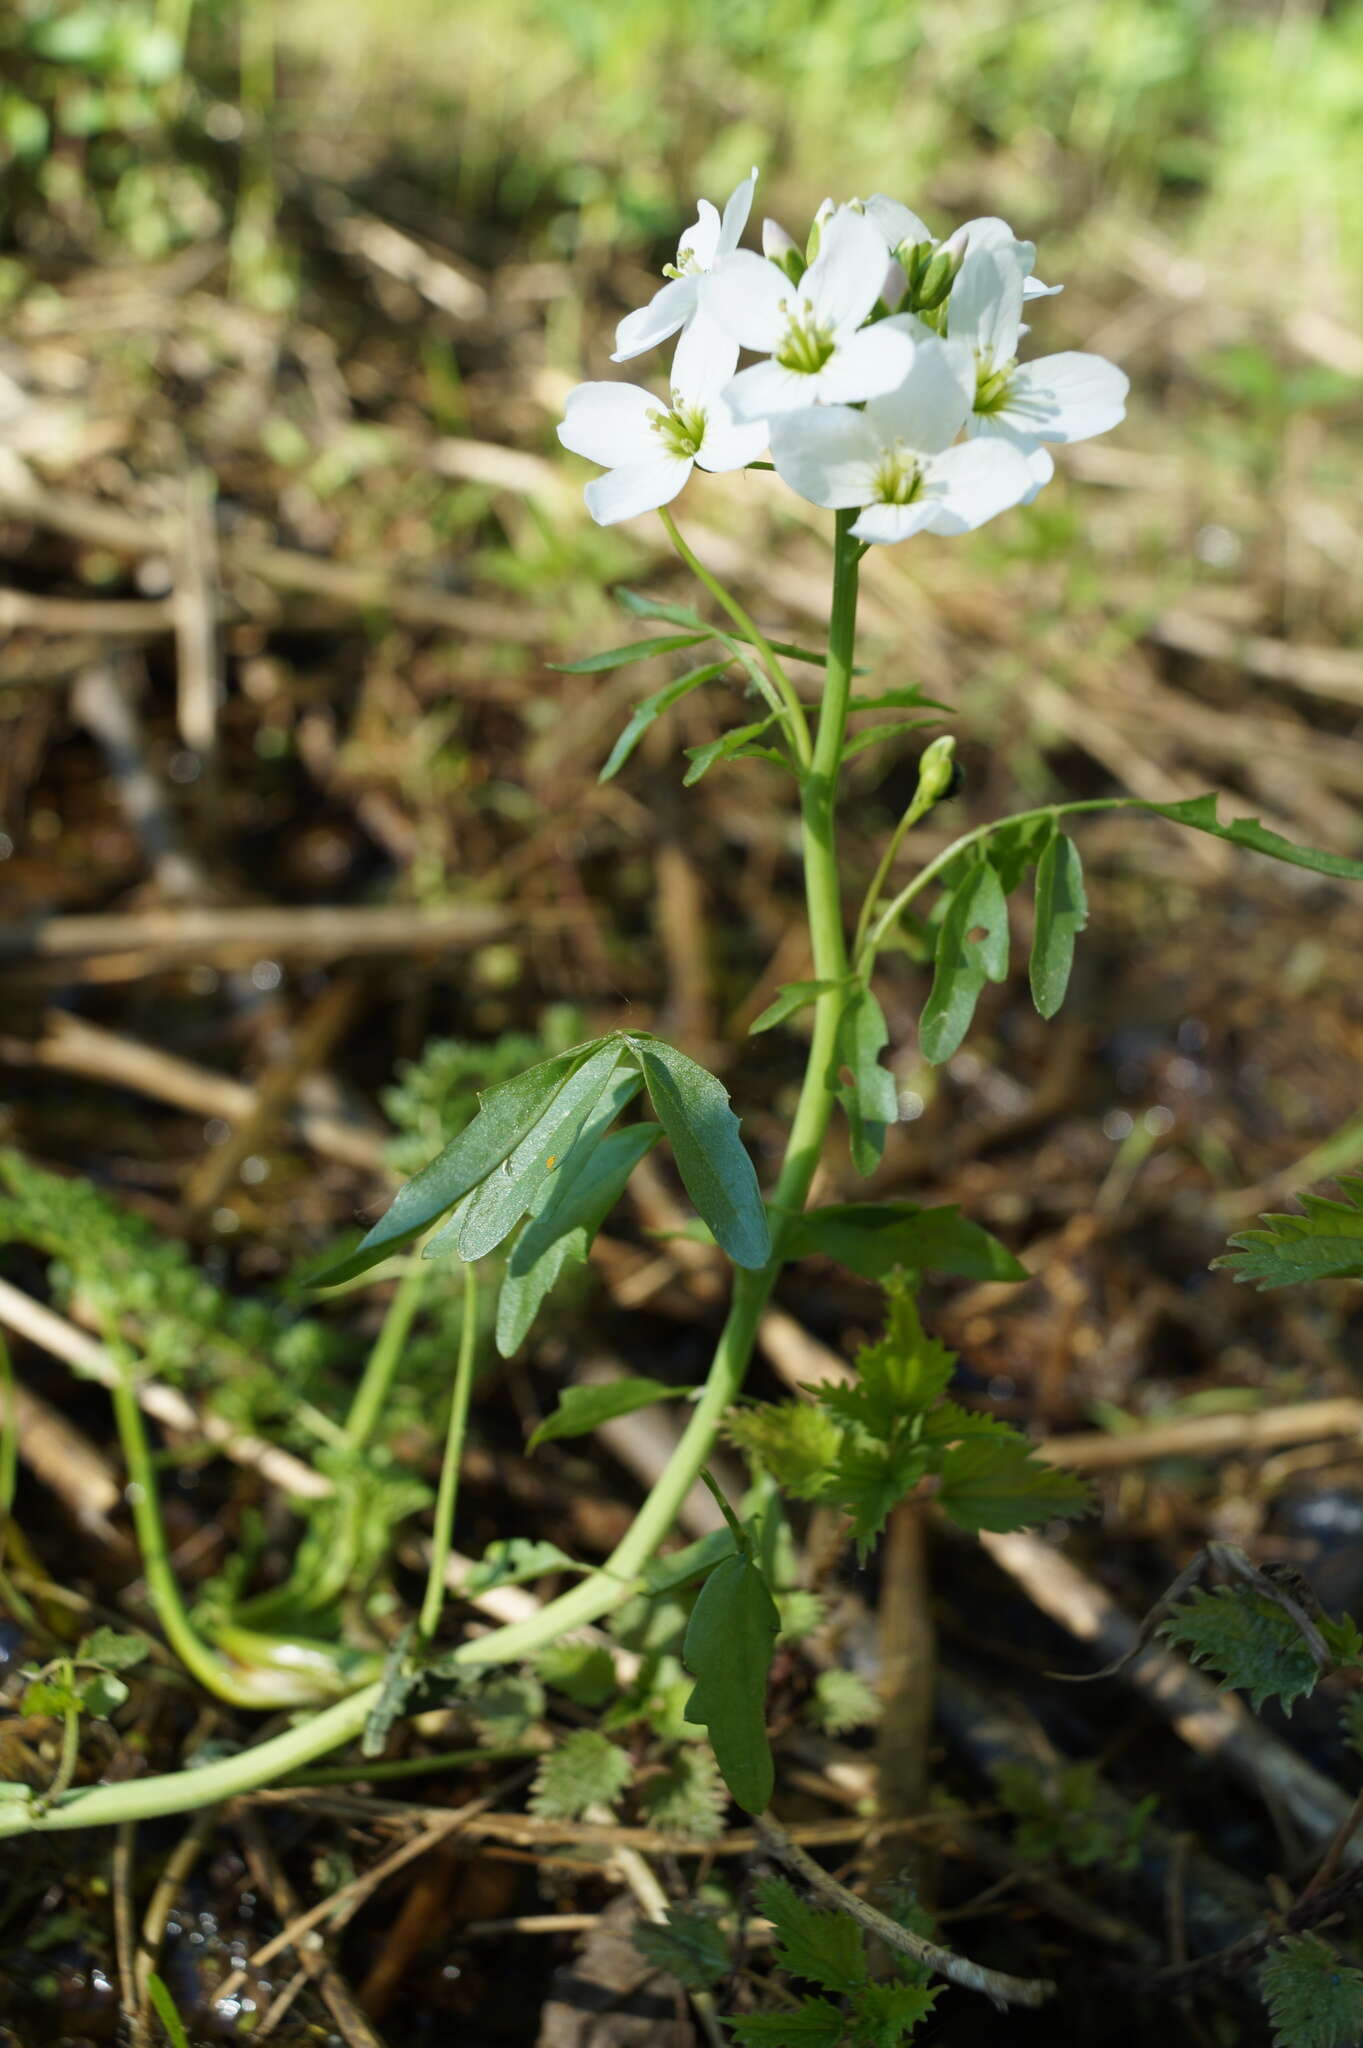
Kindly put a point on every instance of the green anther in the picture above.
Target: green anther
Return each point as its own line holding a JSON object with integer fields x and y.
{"x": 681, "y": 431}
{"x": 991, "y": 387}
{"x": 898, "y": 479}
{"x": 686, "y": 265}
{"x": 805, "y": 347}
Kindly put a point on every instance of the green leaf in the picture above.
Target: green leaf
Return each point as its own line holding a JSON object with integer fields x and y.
{"x": 679, "y": 1567}
{"x": 991, "y": 1484}
{"x": 886, "y": 2014}
{"x": 688, "y": 1798}
{"x": 871, "y": 1101}
{"x": 1061, "y": 914}
{"x": 587, "y": 1769}
{"x": 872, "y": 735}
{"x": 1248, "y": 1640}
{"x": 793, "y": 996}
{"x": 653, "y": 707}
{"x": 565, "y": 1221}
{"x": 898, "y": 1376}
{"x": 1015, "y": 846}
{"x": 730, "y": 743}
{"x": 693, "y": 1109}
{"x": 638, "y": 650}
{"x": 972, "y": 948}
{"x": 497, "y": 1204}
{"x": 728, "y": 1649}
{"x": 869, "y": 1481}
{"x": 1200, "y": 813}
{"x": 1314, "y": 1998}
{"x": 691, "y": 1947}
{"x": 873, "y": 1238}
{"x": 815, "y": 2024}
{"x": 794, "y": 1441}
{"x": 1324, "y": 1244}
{"x": 513, "y": 1560}
{"x": 116, "y": 1652}
{"x": 823, "y": 1948}
{"x": 582, "y": 1672}
{"x": 506, "y": 1114}
{"x": 51, "y": 1696}
{"x": 164, "y": 2006}
{"x": 907, "y": 699}
{"x": 641, "y": 607}
{"x": 102, "y": 1694}
{"x": 583, "y": 1409}
{"x": 397, "y": 1682}
{"x": 502, "y": 1705}
{"x": 842, "y": 1700}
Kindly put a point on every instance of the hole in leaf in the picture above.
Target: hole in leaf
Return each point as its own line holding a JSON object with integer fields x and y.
{"x": 978, "y": 936}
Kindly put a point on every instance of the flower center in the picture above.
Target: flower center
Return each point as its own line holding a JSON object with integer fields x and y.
{"x": 991, "y": 385}
{"x": 805, "y": 346}
{"x": 898, "y": 478}
{"x": 681, "y": 430}
{"x": 688, "y": 264}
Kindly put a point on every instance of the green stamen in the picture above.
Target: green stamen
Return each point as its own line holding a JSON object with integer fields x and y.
{"x": 681, "y": 430}
{"x": 806, "y": 346}
{"x": 991, "y": 386}
{"x": 898, "y": 480}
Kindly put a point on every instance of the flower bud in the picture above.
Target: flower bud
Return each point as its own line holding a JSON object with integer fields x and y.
{"x": 937, "y": 774}
{"x": 825, "y": 212}
{"x": 778, "y": 248}
{"x": 937, "y": 276}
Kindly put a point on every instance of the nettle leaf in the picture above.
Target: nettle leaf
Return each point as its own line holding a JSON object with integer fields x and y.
{"x": 502, "y": 1705}
{"x": 795, "y": 1442}
{"x": 505, "y": 1116}
{"x": 513, "y": 1560}
{"x": 729, "y": 744}
{"x": 582, "y": 1672}
{"x": 972, "y": 948}
{"x": 112, "y": 1649}
{"x": 690, "y": 1946}
{"x": 652, "y": 708}
{"x": 729, "y": 1642}
{"x": 1314, "y": 1998}
{"x": 886, "y": 2014}
{"x": 873, "y": 1238}
{"x": 638, "y": 650}
{"x": 564, "y": 1223}
{"x": 587, "y": 1769}
{"x": 1200, "y": 813}
{"x": 870, "y": 1101}
{"x": 1061, "y": 914}
{"x": 688, "y": 1797}
{"x": 1326, "y": 1243}
{"x": 815, "y": 2024}
{"x": 793, "y": 997}
{"x": 1248, "y": 1640}
{"x": 583, "y": 1409}
{"x": 989, "y": 1483}
{"x": 869, "y": 1481}
{"x": 823, "y": 1948}
{"x": 497, "y": 1204}
{"x": 693, "y": 1109}
{"x": 842, "y": 1700}
{"x": 898, "y": 1376}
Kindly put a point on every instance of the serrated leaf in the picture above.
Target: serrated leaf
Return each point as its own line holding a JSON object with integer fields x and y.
{"x": 815, "y": 2024}
{"x": 690, "y": 1946}
{"x": 793, "y": 997}
{"x": 582, "y": 1672}
{"x": 1326, "y": 1243}
{"x": 502, "y": 1705}
{"x": 794, "y": 1441}
{"x": 868, "y": 1482}
{"x": 513, "y": 1560}
{"x": 506, "y": 1114}
{"x": 112, "y": 1649}
{"x": 564, "y": 1223}
{"x": 51, "y": 1696}
{"x": 729, "y": 744}
{"x": 972, "y": 948}
{"x": 587, "y": 1769}
{"x": 1314, "y": 1998}
{"x": 898, "y": 1376}
{"x": 583, "y": 1409}
{"x": 873, "y": 1238}
{"x": 871, "y": 1101}
{"x": 991, "y": 1484}
{"x": 1248, "y": 1640}
{"x": 728, "y": 1649}
{"x": 652, "y": 708}
{"x": 497, "y": 1204}
{"x": 823, "y": 1948}
{"x": 886, "y": 2014}
{"x": 1200, "y": 812}
{"x": 693, "y": 1109}
{"x": 637, "y": 650}
{"x": 842, "y": 1700}
{"x": 688, "y": 1797}
{"x": 1061, "y": 914}
{"x": 950, "y": 1423}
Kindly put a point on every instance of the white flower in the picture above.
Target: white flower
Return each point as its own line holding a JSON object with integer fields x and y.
{"x": 905, "y": 232}
{"x": 810, "y": 330}
{"x": 707, "y": 244}
{"x": 648, "y": 449}
{"x": 989, "y": 232}
{"x": 895, "y": 458}
{"x": 1067, "y": 397}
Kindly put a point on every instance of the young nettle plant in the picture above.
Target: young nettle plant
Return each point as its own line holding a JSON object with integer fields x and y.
{"x": 888, "y": 390}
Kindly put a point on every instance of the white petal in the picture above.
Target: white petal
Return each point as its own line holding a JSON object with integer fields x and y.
{"x": 985, "y": 307}
{"x": 745, "y": 296}
{"x": 639, "y": 487}
{"x": 705, "y": 360}
{"x": 843, "y": 282}
{"x": 729, "y": 443}
{"x": 863, "y": 365}
{"x": 896, "y": 222}
{"x": 827, "y": 453}
{"x": 1067, "y": 397}
{"x": 889, "y": 523}
{"x": 928, "y": 410}
{"x": 609, "y": 423}
{"x": 1033, "y": 288}
{"x": 765, "y": 389}
{"x": 776, "y": 243}
{"x": 670, "y": 308}
{"x": 893, "y": 285}
{"x": 702, "y": 238}
{"x": 973, "y": 482}
{"x": 737, "y": 207}
{"x": 989, "y": 232}
{"x": 1040, "y": 463}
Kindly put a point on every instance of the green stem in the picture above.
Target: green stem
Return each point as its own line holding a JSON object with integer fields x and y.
{"x": 591, "y": 1598}
{"x": 448, "y": 1493}
{"x": 781, "y": 683}
{"x": 386, "y": 1354}
{"x": 922, "y": 803}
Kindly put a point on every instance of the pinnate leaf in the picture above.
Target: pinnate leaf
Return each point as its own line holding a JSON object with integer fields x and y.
{"x": 873, "y": 1238}
{"x": 795, "y": 996}
{"x": 651, "y": 708}
{"x": 728, "y": 1649}
{"x": 693, "y": 1109}
{"x": 583, "y": 1409}
{"x": 1061, "y": 914}
{"x": 870, "y": 1099}
{"x": 1200, "y": 812}
{"x": 564, "y": 1222}
{"x": 972, "y": 948}
{"x": 637, "y": 650}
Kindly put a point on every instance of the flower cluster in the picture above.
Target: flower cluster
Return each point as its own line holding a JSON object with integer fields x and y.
{"x": 889, "y": 381}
